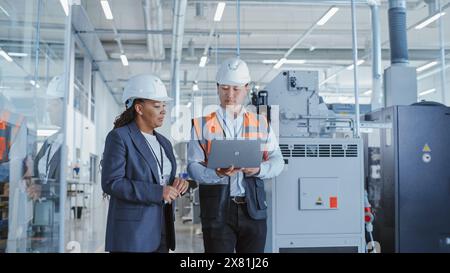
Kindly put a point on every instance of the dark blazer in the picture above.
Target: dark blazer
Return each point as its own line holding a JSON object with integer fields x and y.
{"x": 50, "y": 188}
{"x": 130, "y": 177}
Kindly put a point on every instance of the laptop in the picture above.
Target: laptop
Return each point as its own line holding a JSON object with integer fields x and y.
{"x": 245, "y": 153}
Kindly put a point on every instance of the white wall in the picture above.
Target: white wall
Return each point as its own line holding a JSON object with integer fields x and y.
{"x": 106, "y": 111}
{"x": 434, "y": 81}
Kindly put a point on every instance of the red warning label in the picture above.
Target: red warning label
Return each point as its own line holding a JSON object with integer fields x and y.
{"x": 333, "y": 202}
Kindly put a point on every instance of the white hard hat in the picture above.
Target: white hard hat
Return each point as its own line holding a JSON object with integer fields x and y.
{"x": 144, "y": 86}
{"x": 233, "y": 71}
{"x": 55, "y": 88}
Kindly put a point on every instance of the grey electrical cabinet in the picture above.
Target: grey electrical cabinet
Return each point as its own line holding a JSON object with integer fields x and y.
{"x": 407, "y": 166}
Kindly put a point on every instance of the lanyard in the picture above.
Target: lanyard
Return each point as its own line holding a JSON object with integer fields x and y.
{"x": 160, "y": 164}
{"x": 236, "y": 132}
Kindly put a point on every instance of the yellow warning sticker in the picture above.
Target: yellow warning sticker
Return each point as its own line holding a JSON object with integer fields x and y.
{"x": 319, "y": 201}
{"x": 426, "y": 148}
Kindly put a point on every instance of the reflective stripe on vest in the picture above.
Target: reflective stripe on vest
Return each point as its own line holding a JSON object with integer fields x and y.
{"x": 208, "y": 128}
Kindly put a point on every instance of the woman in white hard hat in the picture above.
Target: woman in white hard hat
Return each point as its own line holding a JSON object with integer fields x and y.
{"x": 138, "y": 172}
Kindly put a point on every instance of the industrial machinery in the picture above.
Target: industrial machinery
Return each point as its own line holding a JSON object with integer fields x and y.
{"x": 317, "y": 202}
{"x": 408, "y": 179}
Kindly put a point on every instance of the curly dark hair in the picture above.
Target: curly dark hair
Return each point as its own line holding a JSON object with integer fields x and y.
{"x": 127, "y": 116}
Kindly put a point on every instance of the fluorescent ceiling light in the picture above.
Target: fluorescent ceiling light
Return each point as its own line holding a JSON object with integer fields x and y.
{"x": 430, "y": 20}
{"x": 285, "y": 62}
{"x": 332, "y": 11}
{"x": 4, "y": 11}
{"x": 124, "y": 59}
{"x": 5, "y": 55}
{"x": 426, "y": 92}
{"x": 280, "y": 63}
{"x": 269, "y": 61}
{"x": 195, "y": 87}
{"x": 107, "y": 9}
{"x": 219, "y": 11}
{"x": 17, "y": 54}
{"x": 295, "y": 61}
{"x": 46, "y": 132}
{"x": 203, "y": 61}
{"x": 65, "y": 6}
{"x": 426, "y": 66}
{"x": 360, "y": 62}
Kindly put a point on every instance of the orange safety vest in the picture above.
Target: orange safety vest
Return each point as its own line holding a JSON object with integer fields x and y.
{"x": 9, "y": 126}
{"x": 208, "y": 128}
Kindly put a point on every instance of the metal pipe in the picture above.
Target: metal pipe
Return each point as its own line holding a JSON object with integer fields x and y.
{"x": 238, "y": 12}
{"x": 355, "y": 68}
{"x": 286, "y": 2}
{"x": 153, "y": 21}
{"x": 442, "y": 56}
{"x": 63, "y": 172}
{"x": 177, "y": 46}
{"x": 377, "y": 89}
{"x": 397, "y": 32}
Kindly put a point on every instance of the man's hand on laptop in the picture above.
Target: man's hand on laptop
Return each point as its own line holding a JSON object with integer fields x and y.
{"x": 251, "y": 171}
{"x": 227, "y": 171}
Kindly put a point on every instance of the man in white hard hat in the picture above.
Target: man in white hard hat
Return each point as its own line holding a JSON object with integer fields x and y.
{"x": 232, "y": 201}
{"x": 47, "y": 163}
{"x": 139, "y": 172}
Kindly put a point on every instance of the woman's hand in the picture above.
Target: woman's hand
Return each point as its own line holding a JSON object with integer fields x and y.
{"x": 181, "y": 185}
{"x": 170, "y": 193}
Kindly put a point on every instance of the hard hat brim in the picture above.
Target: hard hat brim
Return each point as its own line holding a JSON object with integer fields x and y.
{"x": 164, "y": 99}
{"x": 232, "y": 83}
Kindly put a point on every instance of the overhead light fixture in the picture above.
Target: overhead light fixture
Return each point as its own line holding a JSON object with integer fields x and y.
{"x": 360, "y": 62}
{"x": 17, "y": 54}
{"x": 426, "y": 92}
{"x": 332, "y": 11}
{"x": 426, "y": 66}
{"x": 124, "y": 59}
{"x": 65, "y": 6}
{"x": 295, "y": 61}
{"x": 203, "y": 61}
{"x": 285, "y": 62}
{"x": 4, "y": 11}
{"x": 280, "y": 63}
{"x": 195, "y": 87}
{"x": 107, "y": 9}
{"x": 429, "y": 20}
{"x": 219, "y": 11}
{"x": 5, "y": 55}
{"x": 46, "y": 132}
